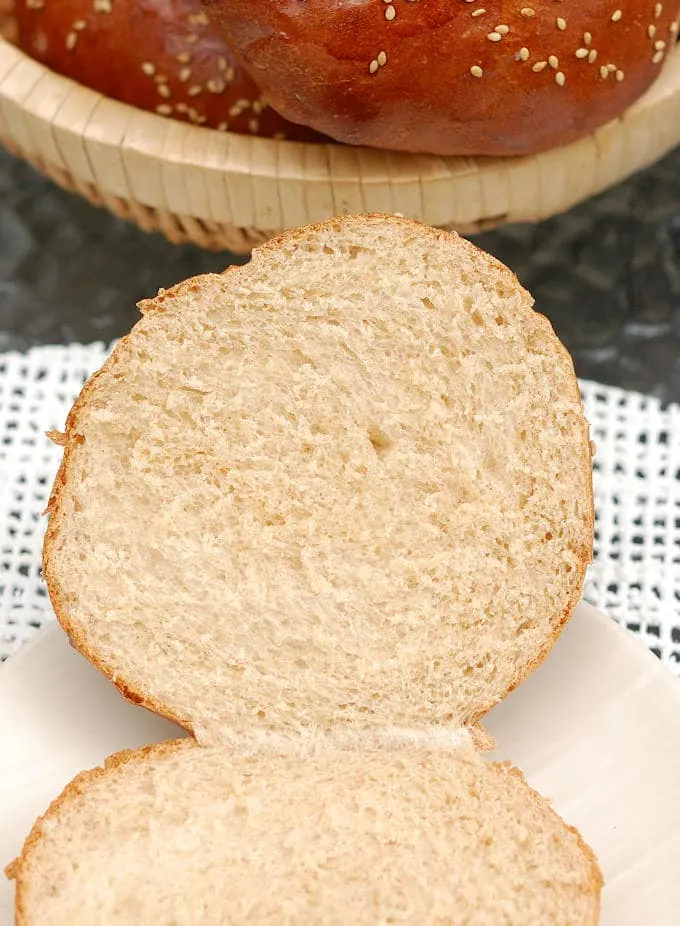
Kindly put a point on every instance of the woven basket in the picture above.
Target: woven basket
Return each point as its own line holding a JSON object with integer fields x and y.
{"x": 222, "y": 190}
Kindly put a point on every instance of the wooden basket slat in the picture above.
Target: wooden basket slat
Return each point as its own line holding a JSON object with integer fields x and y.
{"x": 104, "y": 142}
{"x": 68, "y": 127}
{"x": 142, "y": 167}
{"x": 14, "y": 90}
{"x": 40, "y": 110}
{"x": 295, "y": 190}
{"x": 376, "y": 182}
{"x": 204, "y": 186}
{"x": 267, "y": 211}
{"x": 405, "y": 178}
{"x": 348, "y": 192}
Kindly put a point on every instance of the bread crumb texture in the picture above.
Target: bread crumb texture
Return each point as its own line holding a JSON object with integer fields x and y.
{"x": 176, "y": 835}
{"x": 348, "y": 482}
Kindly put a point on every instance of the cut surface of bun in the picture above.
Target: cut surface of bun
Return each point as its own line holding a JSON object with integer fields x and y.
{"x": 348, "y": 482}
{"x": 179, "y": 834}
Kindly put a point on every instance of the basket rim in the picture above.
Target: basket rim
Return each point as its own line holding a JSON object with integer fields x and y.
{"x": 145, "y": 128}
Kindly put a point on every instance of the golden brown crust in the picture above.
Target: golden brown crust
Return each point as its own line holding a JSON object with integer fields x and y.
{"x": 161, "y": 56}
{"x": 161, "y": 303}
{"x": 450, "y": 78}
{"x": 17, "y": 869}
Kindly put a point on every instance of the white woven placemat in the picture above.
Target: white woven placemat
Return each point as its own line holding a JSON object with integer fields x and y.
{"x": 635, "y": 576}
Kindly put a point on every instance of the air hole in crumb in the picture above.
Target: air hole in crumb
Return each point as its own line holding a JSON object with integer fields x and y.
{"x": 477, "y": 318}
{"x": 500, "y": 320}
{"x": 301, "y": 663}
{"x": 328, "y": 250}
{"x": 261, "y": 714}
{"x": 381, "y": 441}
{"x": 354, "y": 251}
{"x": 548, "y": 536}
{"x": 427, "y": 302}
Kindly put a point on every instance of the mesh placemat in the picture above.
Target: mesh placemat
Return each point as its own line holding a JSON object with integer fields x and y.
{"x": 635, "y": 576}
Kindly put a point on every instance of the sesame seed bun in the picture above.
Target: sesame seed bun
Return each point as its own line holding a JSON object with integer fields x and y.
{"x": 159, "y": 55}
{"x": 480, "y": 77}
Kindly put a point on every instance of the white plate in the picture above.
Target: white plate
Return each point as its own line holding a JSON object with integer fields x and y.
{"x": 596, "y": 729}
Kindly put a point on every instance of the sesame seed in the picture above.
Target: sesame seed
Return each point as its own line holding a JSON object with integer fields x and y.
{"x": 35, "y": 4}
{"x": 181, "y": 107}
{"x": 164, "y": 110}
{"x": 673, "y": 28}
{"x": 184, "y": 58}
{"x": 592, "y": 56}
{"x": 527, "y": 11}
{"x": 581, "y": 52}
{"x": 604, "y": 73}
{"x": 619, "y": 76}
{"x": 184, "y": 74}
{"x": 657, "y": 57}
{"x": 476, "y": 71}
{"x": 659, "y": 45}
{"x": 197, "y": 19}
{"x": 102, "y": 6}
{"x": 478, "y": 12}
{"x": 494, "y": 36}
{"x": 192, "y": 39}
{"x": 216, "y": 86}
{"x": 148, "y": 68}
{"x": 651, "y": 31}
{"x": 524, "y": 54}
{"x": 259, "y": 106}
{"x": 79, "y": 25}
{"x": 390, "y": 13}
{"x": 502, "y": 30}
{"x": 382, "y": 58}
{"x": 230, "y": 74}
{"x": 388, "y": 1}
{"x": 222, "y": 64}
{"x": 71, "y": 40}
{"x": 373, "y": 67}
{"x": 561, "y": 23}
{"x": 560, "y": 79}
{"x": 553, "y": 61}
{"x": 539, "y": 66}
{"x": 616, "y": 16}
{"x": 195, "y": 90}
{"x": 163, "y": 90}
{"x": 587, "y": 38}
{"x": 611, "y": 68}
{"x": 658, "y": 7}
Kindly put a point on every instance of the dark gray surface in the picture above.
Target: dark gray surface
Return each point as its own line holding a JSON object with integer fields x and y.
{"x": 607, "y": 274}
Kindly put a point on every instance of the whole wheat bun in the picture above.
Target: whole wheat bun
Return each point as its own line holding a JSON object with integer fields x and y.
{"x": 348, "y": 483}
{"x": 159, "y": 55}
{"x": 482, "y": 77}
{"x": 176, "y": 834}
